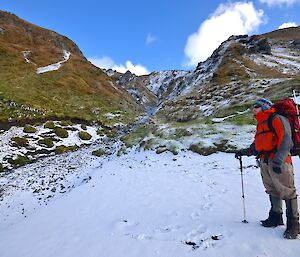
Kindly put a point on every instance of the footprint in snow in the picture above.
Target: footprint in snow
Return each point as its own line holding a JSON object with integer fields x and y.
{"x": 139, "y": 236}
{"x": 195, "y": 236}
{"x": 195, "y": 216}
{"x": 197, "y": 232}
{"x": 203, "y": 241}
{"x": 207, "y": 206}
{"x": 207, "y": 197}
{"x": 127, "y": 228}
{"x": 212, "y": 184}
{"x": 124, "y": 225}
{"x": 167, "y": 233}
{"x": 168, "y": 228}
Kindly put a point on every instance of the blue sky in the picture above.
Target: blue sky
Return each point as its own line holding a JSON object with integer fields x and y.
{"x": 146, "y": 36}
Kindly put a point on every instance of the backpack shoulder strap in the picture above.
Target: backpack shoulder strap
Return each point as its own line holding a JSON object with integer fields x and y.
{"x": 270, "y": 121}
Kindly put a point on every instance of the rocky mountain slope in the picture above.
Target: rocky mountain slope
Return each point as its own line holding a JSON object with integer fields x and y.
{"x": 204, "y": 110}
{"x": 240, "y": 70}
{"x": 44, "y": 75}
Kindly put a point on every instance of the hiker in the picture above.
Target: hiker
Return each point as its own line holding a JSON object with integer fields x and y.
{"x": 272, "y": 148}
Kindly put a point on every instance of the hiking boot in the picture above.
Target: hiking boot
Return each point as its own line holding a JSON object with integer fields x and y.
{"x": 293, "y": 227}
{"x": 274, "y": 220}
{"x": 275, "y": 214}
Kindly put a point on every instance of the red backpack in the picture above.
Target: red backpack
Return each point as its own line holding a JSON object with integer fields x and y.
{"x": 288, "y": 108}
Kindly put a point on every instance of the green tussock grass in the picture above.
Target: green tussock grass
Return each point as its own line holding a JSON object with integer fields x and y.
{"x": 29, "y": 129}
{"x": 19, "y": 141}
{"x": 46, "y": 142}
{"x": 84, "y": 135}
{"x": 78, "y": 90}
{"x": 99, "y": 153}
{"x": 137, "y": 135}
{"x": 19, "y": 161}
{"x": 61, "y": 132}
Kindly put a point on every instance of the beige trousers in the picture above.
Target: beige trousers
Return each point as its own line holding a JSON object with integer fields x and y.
{"x": 279, "y": 185}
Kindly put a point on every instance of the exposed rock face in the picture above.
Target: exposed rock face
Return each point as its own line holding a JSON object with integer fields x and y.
{"x": 295, "y": 44}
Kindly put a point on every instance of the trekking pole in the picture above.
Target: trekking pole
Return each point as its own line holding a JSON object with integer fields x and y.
{"x": 295, "y": 100}
{"x": 243, "y": 194}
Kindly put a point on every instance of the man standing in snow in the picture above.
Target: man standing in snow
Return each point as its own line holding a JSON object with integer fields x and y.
{"x": 272, "y": 146}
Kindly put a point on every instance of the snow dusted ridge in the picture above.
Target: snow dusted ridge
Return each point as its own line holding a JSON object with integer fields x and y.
{"x": 55, "y": 66}
{"x": 171, "y": 84}
{"x": 143, "y": 204}
{"x": 283, "y": 59}
{"x": 160, "y": 81}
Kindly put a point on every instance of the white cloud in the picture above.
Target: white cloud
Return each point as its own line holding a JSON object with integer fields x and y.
{"x": 150, "y": 39}
{"x": 287, "y": 25}
{"x": 108, "y": 63}
{"x": 229, "y": 19}
{"x": 103, "y": 62}
{"x": 279, "y": 2}
{"x": 136, "y": 69}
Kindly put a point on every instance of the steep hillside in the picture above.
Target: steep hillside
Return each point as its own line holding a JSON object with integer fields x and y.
{"x": 205, "y": 109}
{"x": 45, "y": 75}
{"x": 240, "y": 70}
{"x": 135, "y": 86}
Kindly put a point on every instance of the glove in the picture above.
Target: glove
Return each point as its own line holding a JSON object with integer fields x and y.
{"x": 243, "y": 152}
{"x": 295, "y": 151}
{"x": 276, "y": 167}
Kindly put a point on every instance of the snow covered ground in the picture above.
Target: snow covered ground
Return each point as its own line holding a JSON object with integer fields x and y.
{"x": 144, "y": 204}
{"x": 7, "y": 150}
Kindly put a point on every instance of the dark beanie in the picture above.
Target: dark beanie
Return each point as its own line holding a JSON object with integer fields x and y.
{"x": 264, "y": 103}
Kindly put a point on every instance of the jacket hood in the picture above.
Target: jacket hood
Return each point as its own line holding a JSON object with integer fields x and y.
{"x": 263, "y": 115}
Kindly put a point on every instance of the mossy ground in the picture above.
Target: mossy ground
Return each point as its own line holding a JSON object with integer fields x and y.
{"x": 63, "y": 149}
{"x": 29, "y": 129}
{"x": 19, "y": 141}
{"x": 137, "y": 135}
{"x": 99, "y": 153}
{"x": 61, "y": 132}
{"x": 202, "y": 135}
{"x": 84, "y": 135}
{"x": 65, "y": 123}
{"x": 242, "y": 114}
{"x": 49, "y": 125}
{"x": 47, "y": 142}
{"x": 21, "y": 160}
